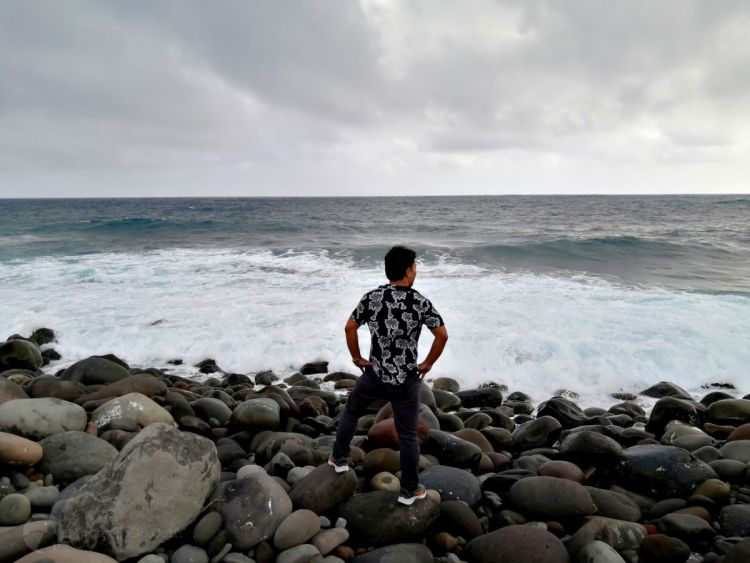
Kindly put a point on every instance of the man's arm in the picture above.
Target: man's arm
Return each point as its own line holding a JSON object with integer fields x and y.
{"x": 352, "y": 342}
{"x": 441, "y": 337}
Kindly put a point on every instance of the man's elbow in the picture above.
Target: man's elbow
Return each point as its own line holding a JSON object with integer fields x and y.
{"x": 441, "y": 334}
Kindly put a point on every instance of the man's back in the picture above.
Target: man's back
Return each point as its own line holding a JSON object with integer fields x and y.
{"x": 395, "y": 315}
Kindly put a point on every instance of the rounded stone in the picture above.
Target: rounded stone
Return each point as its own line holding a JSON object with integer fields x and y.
{"x": 551, "y": 498}
{"x": 738, "y": 450}
{"x": 42, "y": 497}
{"x": 381, "y": 459}
{"x": 61, "y": 553}
{"x": 133, "y": 406}
{"x": 563, "y": 470}
{"x": 207, "y": 527}
{"x": 385, "y": 481}
{"x": 660, "y": 548}
{"x": 715, "y": 489}
{"x": 304, "y": 553}
{"x": 452, "y": 483}
{"x": 537, "y": 433}
{"x": 189, "y": 554}
{"x": 68, "y": 456}
{"x": 735, "y": 520}
{"x": 20, "y": 354}
{"x": 376, "y": 518}
{"x": 661, "y": 471}
{"x": 37, "y": 419}
{"x": 328, "y": 540}
{"x": 598, "y": 552}
{"x": 517, "y": 544}
{"x": 15, "y": 509}
{"x": 15, "y": 449}
{"x": 256, "y": 414}
{"x": 296, "y": 529}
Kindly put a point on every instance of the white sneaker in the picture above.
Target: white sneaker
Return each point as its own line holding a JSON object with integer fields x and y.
{"x": 339, "y": 465}
{"x": 409, "y": 498}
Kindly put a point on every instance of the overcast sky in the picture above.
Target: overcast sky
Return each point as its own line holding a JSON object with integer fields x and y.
{"x": 346, "y": 97}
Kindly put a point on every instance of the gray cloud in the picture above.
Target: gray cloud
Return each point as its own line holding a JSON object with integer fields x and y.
{"x": 378, "y": 96}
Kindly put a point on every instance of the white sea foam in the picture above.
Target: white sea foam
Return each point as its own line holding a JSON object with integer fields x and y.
{"x": 259, "y": 310}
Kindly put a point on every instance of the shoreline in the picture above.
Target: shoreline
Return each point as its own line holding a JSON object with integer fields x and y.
{"x": 136, "y": 464}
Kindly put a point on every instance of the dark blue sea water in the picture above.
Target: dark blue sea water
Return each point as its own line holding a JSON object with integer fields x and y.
{"x": 608, "y": 291}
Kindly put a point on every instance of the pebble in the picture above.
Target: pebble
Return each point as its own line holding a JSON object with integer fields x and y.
{"x": 328, "y": 540}
{"x": 15, "y": 509}
{"x": 15, "y": 449}
{"x": 207, "y": 527}
{"x": 304, "y": 553}
{"x": 189, "y": 554}
{"x": 296, "y": 529}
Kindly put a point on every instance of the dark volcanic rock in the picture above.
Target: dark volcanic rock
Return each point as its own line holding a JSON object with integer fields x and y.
{"x": 590, "y": 448}
{"x": 95, "y": 370}
{"x": 661, "y": 471}
{"x": 487, "y": 397}
{"x": 666, "y": 389}
{"x": 730, "y": 411}
{"x": 672, "y": 408}
{"x": 538, "y": 433}
{"x": 152, "y": 491}
{"x": 517, "y": 544}
{"x": 452, "y": 450}
{"x": 452, "y": 483}
{"x": 735, "y": 520}
{"x": 313, "y": 368}
{"x": 551, "y": 498}
{"x": 323, "y": 489}
{"x": 19, "y": 354}
{"x": 252, "y": 509}
{"x": 566, "y": 412}
{"x": 377, "y": 518}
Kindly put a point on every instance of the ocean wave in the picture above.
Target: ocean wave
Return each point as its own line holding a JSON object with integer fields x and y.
{"x": 254, "y": 310}
{"x": 592, "y": 249}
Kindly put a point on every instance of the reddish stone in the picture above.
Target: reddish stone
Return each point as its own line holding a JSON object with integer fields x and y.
{"x": 659, "y": 548}
{"x": 475, "y": 437}
{"x": 384, "y": 433}
{"x": 740, "y": 433}
{"x": 562, "y": 469}
{"x": 499, "y": 460}
{"x": 698, "y": 511}
{"x": 650, "y": 529}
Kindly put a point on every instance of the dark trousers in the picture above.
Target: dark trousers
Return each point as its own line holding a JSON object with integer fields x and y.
{"x": 405, "y": 401}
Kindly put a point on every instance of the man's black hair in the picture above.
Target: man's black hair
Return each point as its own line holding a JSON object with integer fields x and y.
{"x": 397, "y": 261}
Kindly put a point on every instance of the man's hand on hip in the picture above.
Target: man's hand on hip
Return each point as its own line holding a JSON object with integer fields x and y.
{"x": 423, "y": 368}
{"x": 361, "y": 363}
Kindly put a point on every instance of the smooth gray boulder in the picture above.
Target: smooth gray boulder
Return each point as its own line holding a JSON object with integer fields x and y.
{"x": 71, "y": 455}
{"x": 253, "y": 508}
{"x": 152, "y": 491}
{"x": 37, "y": 419}
{"x": 95, "y": 371}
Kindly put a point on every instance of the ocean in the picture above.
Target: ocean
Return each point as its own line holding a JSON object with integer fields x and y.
{"x": 592, "y": 294}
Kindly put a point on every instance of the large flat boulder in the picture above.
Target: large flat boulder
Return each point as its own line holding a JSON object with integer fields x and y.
{"x": 151, "y": 492}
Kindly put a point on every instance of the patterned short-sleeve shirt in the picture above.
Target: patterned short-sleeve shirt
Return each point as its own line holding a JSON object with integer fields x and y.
{"x": 395, "y": 315}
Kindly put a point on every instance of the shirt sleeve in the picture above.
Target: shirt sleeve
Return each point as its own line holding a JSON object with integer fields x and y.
{"x": 431, "y": 316}
{"x": 361, "y": 313}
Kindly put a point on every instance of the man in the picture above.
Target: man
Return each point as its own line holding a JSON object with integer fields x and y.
{"x": 394, "y": 313}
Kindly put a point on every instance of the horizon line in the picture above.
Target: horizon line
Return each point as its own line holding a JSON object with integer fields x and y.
{"x": 684, "y": 194}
